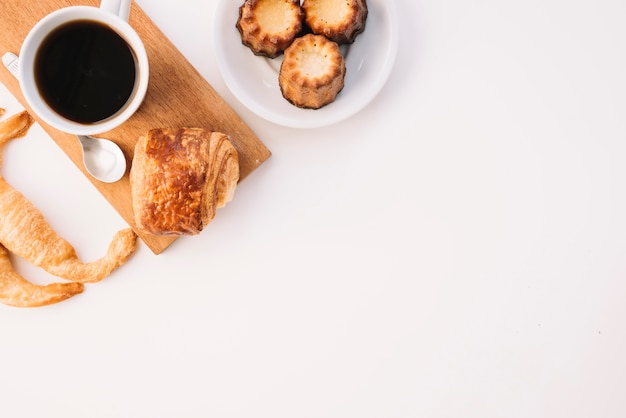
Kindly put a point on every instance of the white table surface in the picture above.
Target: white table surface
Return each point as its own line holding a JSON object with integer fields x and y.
{"x": 456, "y": 249}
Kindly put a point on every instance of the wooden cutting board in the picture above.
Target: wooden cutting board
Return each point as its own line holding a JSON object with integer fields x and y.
{"x": 177, "y": 96}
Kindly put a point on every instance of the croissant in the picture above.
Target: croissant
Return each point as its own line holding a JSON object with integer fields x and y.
{"x": 179, "y": 177}
{"x": 25, "y": 232}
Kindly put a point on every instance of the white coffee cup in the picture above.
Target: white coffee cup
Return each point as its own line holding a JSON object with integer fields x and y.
{"x": 112, "y": 14}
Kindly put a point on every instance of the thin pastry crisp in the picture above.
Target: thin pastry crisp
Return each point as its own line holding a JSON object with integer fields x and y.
{"x": 267, "y": 27}
{"x": 179, "y": 177}
{"x": 339, "y": 20}
{"x": 312, "y": 72}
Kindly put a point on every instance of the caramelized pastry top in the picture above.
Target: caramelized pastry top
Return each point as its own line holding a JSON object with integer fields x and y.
{"x": 267, "y": 27}
{"x": 312, "y": 72}
{"x": 339, "y": 20}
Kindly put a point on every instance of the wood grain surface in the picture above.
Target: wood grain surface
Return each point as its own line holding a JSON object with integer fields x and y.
{"x": 177, "y": 96}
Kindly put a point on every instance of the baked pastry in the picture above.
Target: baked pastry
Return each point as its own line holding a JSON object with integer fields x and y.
{"x": 312, "y": 72}
{"x": 267, "y": 27}
{"x": 339, "y": 20}
{"x": 179, "y": 177}
{"x": 17, "y": 291}
{"x": 14, "y": 289}
{"x": 25, "y": 232}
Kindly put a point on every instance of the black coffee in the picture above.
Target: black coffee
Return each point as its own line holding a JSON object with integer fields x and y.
{"x": 85, "y": 71}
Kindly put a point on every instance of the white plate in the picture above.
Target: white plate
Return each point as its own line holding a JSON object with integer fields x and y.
{"x": 254, "y": 80}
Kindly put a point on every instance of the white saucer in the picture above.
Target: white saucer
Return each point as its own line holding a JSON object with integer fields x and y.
{"x": 254, "y": 80}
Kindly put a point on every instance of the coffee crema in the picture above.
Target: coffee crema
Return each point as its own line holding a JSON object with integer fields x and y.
{"x": 85, "y": 71}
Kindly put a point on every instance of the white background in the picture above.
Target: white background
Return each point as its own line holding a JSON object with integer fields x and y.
{"x": 457, "y": 249}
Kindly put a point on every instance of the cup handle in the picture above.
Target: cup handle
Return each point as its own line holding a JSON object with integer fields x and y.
{"x": 120, "y": 8}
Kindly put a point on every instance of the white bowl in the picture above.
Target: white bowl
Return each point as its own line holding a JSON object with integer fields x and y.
{"x": 253, "y": 80}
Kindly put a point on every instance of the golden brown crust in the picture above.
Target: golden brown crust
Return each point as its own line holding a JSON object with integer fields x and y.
{"x": 179, "y": 178}
{"x": 312, "y": 72}
{"x": 15, "y": 127}
{"x": 17, "y": 291}
{"x": 25, "y": 232}
{"x": 339, "y": 20}
{"x": 267, "y": 27}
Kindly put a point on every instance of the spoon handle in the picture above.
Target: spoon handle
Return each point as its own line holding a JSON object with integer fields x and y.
{"x": 120, "y": 8}
{"x": 10, "y": 60}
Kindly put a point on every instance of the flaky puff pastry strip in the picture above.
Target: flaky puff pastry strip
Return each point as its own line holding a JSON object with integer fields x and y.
{"x": 17, "y": 291}
{"x": 14, "y": 289}
{"x": 25, "y": 232}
